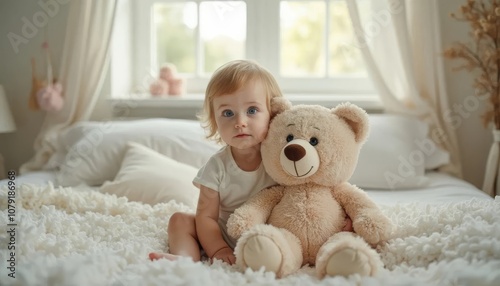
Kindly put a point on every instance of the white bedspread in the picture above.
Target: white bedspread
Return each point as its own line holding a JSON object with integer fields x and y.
{"x": 442, "y": 188}
{"x": 76, "y": 236}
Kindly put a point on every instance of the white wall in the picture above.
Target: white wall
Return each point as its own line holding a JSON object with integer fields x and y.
{"x": 15, "y": 68}
{"x": 474, "y": 139}
{"x": 15, "y": 75}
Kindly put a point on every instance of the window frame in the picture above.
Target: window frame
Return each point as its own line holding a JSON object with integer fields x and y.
{"x": 263, "y": 26}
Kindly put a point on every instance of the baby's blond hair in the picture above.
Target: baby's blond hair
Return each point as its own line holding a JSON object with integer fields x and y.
{"x": 229, "y": 78}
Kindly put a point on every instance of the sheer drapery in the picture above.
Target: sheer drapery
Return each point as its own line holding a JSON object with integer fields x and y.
{"x": 401, "y": 45}
{"x": 83, "y": 66}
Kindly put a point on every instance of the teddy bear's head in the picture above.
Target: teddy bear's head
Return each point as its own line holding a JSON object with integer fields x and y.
{"x": 313, "y": 144}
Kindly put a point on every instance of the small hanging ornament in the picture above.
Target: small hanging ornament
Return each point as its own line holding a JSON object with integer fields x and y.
{"x": 45, "y": 95}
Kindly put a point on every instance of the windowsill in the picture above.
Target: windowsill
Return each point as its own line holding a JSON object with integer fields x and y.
{"x": 149, "y": 106}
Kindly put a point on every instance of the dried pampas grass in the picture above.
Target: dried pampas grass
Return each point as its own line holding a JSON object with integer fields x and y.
{"x": 483, "y": 53}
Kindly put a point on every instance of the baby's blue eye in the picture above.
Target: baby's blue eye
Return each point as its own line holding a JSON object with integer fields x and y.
{"x": 252, "y": 110}
{"x": 227, "y": 113}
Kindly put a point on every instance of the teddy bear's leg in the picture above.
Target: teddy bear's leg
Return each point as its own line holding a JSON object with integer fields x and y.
{"x": 277, "y": 249}
{"x": 346, "y": 253}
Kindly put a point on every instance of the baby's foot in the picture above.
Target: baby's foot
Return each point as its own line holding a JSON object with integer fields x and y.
{"x": 157, "y": 255}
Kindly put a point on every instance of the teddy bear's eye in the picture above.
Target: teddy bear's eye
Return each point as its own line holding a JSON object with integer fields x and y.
{"x": 289, "y": 138}
{"x": 313, "y": 141}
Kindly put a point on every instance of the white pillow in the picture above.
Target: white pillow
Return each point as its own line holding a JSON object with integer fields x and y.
{"x": 435, "y": 156}
{"x": 91, "y": 152}
{"x": 149, "y": 177}
{"x": 62, "y": 142}
{"x": 396, "y": 154}
{"x": 95, "y": 149}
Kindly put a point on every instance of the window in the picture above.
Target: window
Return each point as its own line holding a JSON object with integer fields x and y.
{"x": 197, "y": 50}
{"x": 308, "y": 45}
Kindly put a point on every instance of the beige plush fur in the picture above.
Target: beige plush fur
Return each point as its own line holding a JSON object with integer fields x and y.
{"x": 311, "y": 152}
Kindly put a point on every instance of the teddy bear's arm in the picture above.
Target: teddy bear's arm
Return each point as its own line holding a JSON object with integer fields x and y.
{"x": 367, "y": 219}
{"x": 254, "y": 211}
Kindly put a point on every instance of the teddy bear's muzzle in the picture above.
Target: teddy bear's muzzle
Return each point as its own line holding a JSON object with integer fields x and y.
{"x": 299, "y": 159}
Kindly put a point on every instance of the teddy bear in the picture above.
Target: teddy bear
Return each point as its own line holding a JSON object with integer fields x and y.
{"x": 311, "y": 152}
{"x": 168, "y": 82}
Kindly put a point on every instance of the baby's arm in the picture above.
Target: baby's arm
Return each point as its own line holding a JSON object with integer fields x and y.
{"x": 207, "y": 228}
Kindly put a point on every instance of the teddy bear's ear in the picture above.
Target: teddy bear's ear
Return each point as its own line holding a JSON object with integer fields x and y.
{"x": 278, "y": 105}
{"x": 355, "y": 117}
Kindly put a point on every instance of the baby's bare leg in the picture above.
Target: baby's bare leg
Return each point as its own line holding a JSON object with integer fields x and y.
{"x": 160, "y": 255}
{"x": 182, "y": 238}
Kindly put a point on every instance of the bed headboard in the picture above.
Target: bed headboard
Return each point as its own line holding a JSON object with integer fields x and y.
{"x": 176, "y": 108}
{"x": 187, "y": 106}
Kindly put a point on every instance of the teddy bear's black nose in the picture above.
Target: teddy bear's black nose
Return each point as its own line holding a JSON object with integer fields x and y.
{"x": 295, "y": 152}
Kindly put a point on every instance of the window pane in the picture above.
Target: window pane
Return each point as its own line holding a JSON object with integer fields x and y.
{"x": 302, "y": 25}
{"x": 175, "y": 25}
{"x": 345, "y": 55}
{"x": 223, "y": 32}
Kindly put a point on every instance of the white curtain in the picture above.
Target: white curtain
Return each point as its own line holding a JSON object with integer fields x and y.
{"x": 491, "y": 183}
{"x": 400, "y": 43}
{"x": 83, "y": 66}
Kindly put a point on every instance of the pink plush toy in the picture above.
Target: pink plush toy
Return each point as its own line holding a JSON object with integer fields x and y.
{"x": 45, "y": 95}
{"x": 168, "y": 83}
{"x": 177, "y": 86}
{"x": 159, "y": 87}
{"x": 50, "y": 97}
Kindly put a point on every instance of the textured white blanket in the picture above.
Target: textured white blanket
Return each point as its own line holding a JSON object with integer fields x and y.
{"x": 70, "y": 236}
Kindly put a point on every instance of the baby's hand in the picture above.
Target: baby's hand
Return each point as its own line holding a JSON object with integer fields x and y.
{"x": 348, "y": 224}
{"x": 225, "y": 254}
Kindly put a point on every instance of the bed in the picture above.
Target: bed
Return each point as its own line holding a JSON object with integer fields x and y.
{"x": 103, "y": 200}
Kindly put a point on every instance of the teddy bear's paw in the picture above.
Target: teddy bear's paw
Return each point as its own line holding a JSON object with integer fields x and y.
{"x": 261, "y": 251}
{"x": 348, "y": 261}
{"x": 346, "y": 253}
{"x": 373, "y": 226}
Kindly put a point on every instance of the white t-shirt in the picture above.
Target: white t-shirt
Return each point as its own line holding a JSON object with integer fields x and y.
{"x": 235, "y": 186}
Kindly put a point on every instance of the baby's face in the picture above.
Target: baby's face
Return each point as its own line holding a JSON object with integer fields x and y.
{"x": 242, "y": 117}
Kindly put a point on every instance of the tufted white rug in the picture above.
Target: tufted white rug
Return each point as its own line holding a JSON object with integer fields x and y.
{"x": 77, "y": 236}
